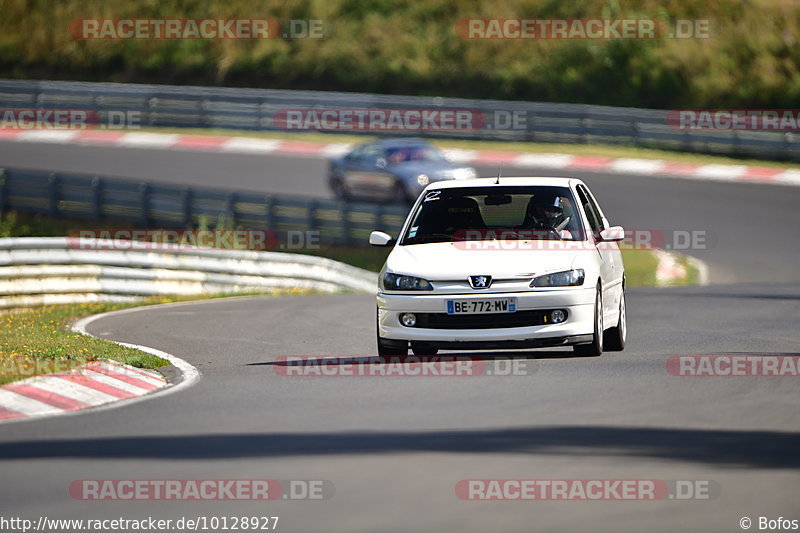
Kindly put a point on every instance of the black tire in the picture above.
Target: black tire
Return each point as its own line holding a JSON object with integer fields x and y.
{"x": 388, "y": 347}
{"x": 421, "y": 348}
{"x": 339, "y": 190}
{"x": 614, "y": 339}
{"x": 400, "y": 195}
{"x": 594, "y": 348}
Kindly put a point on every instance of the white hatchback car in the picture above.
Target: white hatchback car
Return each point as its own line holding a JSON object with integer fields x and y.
{"x": 502, "y": 263}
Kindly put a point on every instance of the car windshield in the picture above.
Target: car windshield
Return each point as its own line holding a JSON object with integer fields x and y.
{"x": 421, "y": 152}
{"x": 496, "y": 213}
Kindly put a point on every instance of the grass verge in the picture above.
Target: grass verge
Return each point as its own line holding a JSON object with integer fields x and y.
{"x": 40, "y": 340}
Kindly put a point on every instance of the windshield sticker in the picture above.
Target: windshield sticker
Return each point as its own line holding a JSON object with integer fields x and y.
{"x": 412, "y": 232}
{"x": 432, "y": 195}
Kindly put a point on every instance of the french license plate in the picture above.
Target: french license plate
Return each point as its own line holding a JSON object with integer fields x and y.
{"x": 481, "y": 307}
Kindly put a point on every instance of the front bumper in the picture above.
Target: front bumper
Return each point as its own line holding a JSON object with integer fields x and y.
{"x": 579, "y": 303}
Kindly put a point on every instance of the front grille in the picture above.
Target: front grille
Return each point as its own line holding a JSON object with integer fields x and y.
{"x": 519, "y": 319}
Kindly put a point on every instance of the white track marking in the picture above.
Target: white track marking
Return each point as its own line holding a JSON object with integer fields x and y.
{"x": 114, "y": 382}
{"x": 48, "y": 136}
{"x": 636, "y": 166}
{"x": 148, "y": 140}
{"x": 72, "y": 390}
{"x": 249, "y": 146}
{"x": 720, "y": 172}
{"x": 25, "y": 405}
{"x": 542, "y": 160}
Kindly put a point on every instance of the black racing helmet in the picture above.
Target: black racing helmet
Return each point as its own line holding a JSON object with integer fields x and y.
{"x": 547, "y": 200}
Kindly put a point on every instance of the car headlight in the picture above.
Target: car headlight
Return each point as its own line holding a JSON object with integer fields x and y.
{"x": 397, "y": 282}
{"x": 423, "y": 179}
{"x": 568, "y": 278}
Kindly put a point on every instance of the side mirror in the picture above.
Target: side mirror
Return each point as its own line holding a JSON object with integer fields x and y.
{"x": 612, "y": 234}
{"x": 379, "y": 238}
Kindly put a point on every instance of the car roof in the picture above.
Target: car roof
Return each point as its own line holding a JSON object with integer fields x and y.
{"x": 400, "y": 141}
{"x": 516, "y": 181}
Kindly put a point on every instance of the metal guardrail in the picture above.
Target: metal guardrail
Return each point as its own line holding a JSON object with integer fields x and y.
{"x": 255, "y": 109}
{"x": 57, "y": 270}
{"x": 148, "y": 205}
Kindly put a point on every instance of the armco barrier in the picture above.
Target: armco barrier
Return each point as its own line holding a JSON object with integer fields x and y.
{"x": 148, "y": 205}
{"x": 257, "y": 109}
{"x": 49, "y": 270}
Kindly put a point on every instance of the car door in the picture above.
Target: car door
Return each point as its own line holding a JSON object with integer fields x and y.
{"x": 365, "y": 174}
{"x": 608, "y": 252}
{"x": 615, "y": 255}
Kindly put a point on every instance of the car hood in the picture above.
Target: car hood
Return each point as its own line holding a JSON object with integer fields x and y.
{"x": 451, "y": 260}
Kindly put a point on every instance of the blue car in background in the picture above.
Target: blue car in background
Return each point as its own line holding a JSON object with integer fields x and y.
{"x": 392, "y": 170}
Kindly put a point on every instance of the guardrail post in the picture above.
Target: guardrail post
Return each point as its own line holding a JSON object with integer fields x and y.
{"x": 152, "y": 102}
{"x": 3, "y": 185}
{"x": 312, "y": 215}
{"x": 204, "y": 105}
{"x": 379, "y": 222}
{"x": 786, "y": 141}
{"x": 230, "y": 207}
{"x": 52, "y": 188}
{"x": 347, "y": 238}
{"x": 144, "y": 203}
{"x": 186, "y": 206}
{"x": 97, "y": 197}
{"x": 269, "y": 218}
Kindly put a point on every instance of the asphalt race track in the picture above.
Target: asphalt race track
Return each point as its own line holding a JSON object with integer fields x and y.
{"x": 750, "y": 229}
{"x": 394, "y": 448}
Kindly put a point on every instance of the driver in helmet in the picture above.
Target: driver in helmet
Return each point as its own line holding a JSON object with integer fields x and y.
{"x": 545, "y": 211}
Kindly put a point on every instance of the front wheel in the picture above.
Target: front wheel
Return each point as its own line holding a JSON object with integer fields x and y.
{"x": 400, "y": 195}
{"x": 594, "y": 348}
{"x": 614, "y": 340}
{"x": 388, "y": 347}
{"x": 339, "y": 190}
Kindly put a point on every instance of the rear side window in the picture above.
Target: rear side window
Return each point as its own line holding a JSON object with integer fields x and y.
{"x": 595, "y": 207}
{"x": 595, "y": 221}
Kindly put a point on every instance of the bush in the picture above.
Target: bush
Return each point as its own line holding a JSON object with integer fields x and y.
{"x": 410, "y": 47}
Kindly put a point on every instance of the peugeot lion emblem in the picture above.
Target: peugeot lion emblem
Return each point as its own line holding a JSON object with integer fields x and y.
{"x": 480, "y": 282}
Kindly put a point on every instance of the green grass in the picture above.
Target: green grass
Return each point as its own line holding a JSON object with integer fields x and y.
{"x": 640, "y": 268}
{"x": 40, "y": 340}
{"x": 37, "y": 341}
